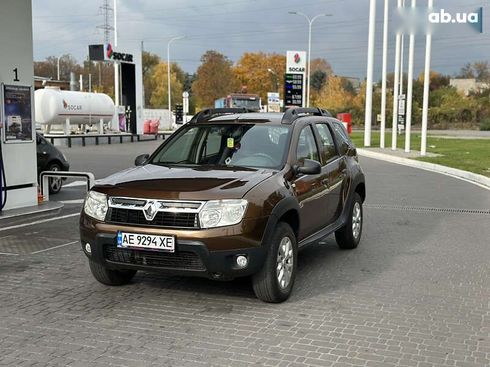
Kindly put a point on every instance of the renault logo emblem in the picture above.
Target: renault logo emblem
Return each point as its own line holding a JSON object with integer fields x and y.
{"x": 150, "y": 210}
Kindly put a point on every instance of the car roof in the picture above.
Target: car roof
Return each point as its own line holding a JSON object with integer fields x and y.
{"x": 267, "y": 117}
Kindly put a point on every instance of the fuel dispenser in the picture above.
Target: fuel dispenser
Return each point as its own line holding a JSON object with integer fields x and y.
{"x": 18, "y": 162}
{"x": 3, "y": 183}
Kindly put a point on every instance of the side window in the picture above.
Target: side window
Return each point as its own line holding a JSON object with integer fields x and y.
{"x": 328, "y": 150}
{"x": 180, "y": 152}
{"x": 213, "y": 143}
{"x": 307, "y": 148}
{"x": 342, "y": 136}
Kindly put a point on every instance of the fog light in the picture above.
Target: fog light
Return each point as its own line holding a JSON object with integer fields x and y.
{"x": 241, "y": 261}
{"x": 88, "y": 249}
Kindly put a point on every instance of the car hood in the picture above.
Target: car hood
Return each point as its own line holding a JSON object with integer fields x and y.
{"x": 183, "y": 183}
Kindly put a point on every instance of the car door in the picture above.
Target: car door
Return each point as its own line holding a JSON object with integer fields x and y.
{"x": 334, "y": 169}
{"x": 309, "y": 189}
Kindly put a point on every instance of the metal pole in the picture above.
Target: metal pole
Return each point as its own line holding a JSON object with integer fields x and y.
{"x": 370, "y": 69}
{"x": 310, "y": 24}
{"x": 168, "y": 77}
{"x": 168, "y": 84}
{"x": 408, "y": 127}
{"x": 425, "y": 104}
{"x": 309, "y": 64}
{"x": 58, "y": 68}
{"x": 395, "y": 87}
{"x": 384, "y": 76}
{"x": 116, "y": 65}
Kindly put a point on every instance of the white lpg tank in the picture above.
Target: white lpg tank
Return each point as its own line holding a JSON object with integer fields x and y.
{"x": 55, "y": 106}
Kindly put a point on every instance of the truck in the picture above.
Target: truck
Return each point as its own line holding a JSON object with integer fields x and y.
{"x": 250, "y": 101}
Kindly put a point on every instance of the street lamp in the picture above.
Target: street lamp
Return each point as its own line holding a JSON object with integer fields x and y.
{"x": 59, "y": 57}
{"x": 275, "y": 78}
{"x": 310, "y": 23}
{"x": 168, "y": 75}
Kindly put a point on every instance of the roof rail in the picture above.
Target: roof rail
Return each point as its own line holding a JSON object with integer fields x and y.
{"x": 294, "y": 113}
{"x": 208, "y": 114}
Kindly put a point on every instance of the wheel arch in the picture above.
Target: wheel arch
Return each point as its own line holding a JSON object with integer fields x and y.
{"x": 361, "y": 190}
{"x": 286, "y": 210}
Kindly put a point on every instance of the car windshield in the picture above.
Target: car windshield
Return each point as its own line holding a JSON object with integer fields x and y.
{"x": 242, "y": 145}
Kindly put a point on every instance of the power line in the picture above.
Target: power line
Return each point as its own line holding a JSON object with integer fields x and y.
{"x": 107, "y": 13}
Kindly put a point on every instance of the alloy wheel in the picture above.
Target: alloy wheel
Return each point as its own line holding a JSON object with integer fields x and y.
{"x": 285, "y": 258}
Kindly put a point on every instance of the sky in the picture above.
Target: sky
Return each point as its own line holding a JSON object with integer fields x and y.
{"x": 233, "y": 27}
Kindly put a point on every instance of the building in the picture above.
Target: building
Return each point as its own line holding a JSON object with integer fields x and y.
{"x": 467, "y": 86}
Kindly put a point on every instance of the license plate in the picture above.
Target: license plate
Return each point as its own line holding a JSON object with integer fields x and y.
{"x": 145, "y": 241}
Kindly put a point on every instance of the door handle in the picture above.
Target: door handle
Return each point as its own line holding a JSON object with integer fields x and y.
{"x": 325, "y": 181}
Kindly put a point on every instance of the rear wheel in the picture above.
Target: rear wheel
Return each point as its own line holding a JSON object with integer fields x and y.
{"x": 110, "y": 277}
{"x": 349, "y": 236}
{"x": 274, "y": 282}
{"x": 54, "y": 183}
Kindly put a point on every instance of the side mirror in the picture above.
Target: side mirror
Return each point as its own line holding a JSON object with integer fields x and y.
{"x": 141, "y": 159}
{"x": 310, "y": 167}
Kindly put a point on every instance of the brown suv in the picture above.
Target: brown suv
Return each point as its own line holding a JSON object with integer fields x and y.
{"x": 229, "y": 194}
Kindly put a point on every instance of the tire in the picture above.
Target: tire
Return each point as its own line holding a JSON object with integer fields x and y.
{"x": 266, "y": 283}
{"x": 55, "y": 184}
{"x": 349, "y": 236}
{"x": 110, "y": 277}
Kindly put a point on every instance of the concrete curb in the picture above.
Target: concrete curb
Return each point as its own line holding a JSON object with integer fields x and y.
{"x": 470, "y": 177}
{"x": 47, "y": 208}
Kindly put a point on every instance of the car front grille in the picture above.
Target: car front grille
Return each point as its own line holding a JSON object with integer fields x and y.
{"x": 182, "y": 260}
{"x": 162, "y": 219}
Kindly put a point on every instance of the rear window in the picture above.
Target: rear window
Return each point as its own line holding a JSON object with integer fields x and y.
{"x": 342, "y": 136}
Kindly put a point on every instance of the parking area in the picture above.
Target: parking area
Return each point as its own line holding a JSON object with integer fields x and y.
{"x": 415, "y": 293}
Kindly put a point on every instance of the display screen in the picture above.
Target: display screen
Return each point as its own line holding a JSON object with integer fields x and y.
{"x": 17, "y": 113}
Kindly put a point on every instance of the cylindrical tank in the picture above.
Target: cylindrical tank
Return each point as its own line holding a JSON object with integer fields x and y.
{"x": 55, "y": 106}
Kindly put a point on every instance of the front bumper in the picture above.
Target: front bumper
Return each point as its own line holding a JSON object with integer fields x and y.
{"x": 209, "y": 253}
{"x": 190, "y": 258}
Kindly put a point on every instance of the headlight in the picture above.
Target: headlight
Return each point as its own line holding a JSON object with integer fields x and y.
{"x": 96, "y": 205}
{"x": 219, "y": 213}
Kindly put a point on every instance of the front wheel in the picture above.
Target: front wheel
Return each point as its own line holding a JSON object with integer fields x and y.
{"x": 349, "y": 235}
{"x": 274, "y": 282}
{"x": 110, "y": 277}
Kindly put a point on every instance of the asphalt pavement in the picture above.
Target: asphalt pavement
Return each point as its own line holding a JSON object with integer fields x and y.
{"x": 415, "y": 293}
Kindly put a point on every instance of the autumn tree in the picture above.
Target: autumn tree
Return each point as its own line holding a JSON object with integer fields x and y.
{"x": 159, "y": 83}
{"x": 149, "y": 62}
{"x": 49, "y": 67}
{"x": 482, "y": 71}
{"x": 479, "y": 70}
{"x": 214, "y": 79}
{"x": 318, "y": 80}
{"x": 437, "y": 80}
{"x": 320, "y": 64}
{"x": 101, "y": 74}
{"x": 261, "y": 72}
{"x": 334, "y": 95}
